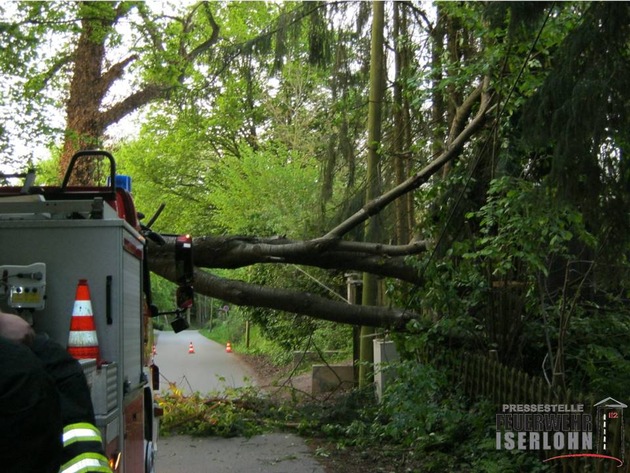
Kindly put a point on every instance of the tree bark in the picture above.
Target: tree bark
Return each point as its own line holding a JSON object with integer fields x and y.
{"x": 236, "y": 252}
{"x": 304, "y": 303}
{"x": 438, "y": 109}
{"x": 84, "y": 127}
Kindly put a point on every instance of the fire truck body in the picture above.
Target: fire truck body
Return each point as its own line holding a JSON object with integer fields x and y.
{"x": 82, "y": 236}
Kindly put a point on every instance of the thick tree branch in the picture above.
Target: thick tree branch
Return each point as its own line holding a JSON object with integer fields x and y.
{"x": 214, "y": 37}
{"x": 236, "y": 252}
{"x": 303, "y": 303}
{"x": 133, "y": 102}
{"x": 115, "y": 72}
{"x": 463, "y": 112}
{"x": 285, "y": 248}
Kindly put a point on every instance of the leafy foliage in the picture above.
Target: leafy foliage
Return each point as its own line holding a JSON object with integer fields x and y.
{"x": 422, "y": 421}
{"x": 507, "y": 288}
{"x": 231, "y": 414}
{"x": 597, "y": 355}
{"x": 522, "y": 224}
{"x": 282, "y": 183}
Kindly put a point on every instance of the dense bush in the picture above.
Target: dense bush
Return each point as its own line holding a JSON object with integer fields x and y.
{"x": 529, "y": 280}
{"x": 424, "y": 418}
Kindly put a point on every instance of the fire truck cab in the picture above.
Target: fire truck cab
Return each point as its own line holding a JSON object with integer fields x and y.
{"x": 50, "y": 239}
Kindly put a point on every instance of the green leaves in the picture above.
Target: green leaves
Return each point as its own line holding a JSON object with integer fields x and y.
{"x": 522, "y": 224}
{"x": 270, "y": 191}
{"x": 234, "y": 412}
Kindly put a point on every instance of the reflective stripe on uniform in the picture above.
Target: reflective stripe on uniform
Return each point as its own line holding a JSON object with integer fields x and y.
{"x": 81, "y": 432}
{"x": 87, "y": 463}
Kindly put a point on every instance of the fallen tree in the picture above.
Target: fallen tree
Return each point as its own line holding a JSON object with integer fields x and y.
{"x": 328, "y": 252}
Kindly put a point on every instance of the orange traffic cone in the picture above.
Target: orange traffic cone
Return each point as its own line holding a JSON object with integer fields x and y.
{"x": 228, "y": 347}
{"x": 191, "y": 349}
{"x": 82, "y": 340}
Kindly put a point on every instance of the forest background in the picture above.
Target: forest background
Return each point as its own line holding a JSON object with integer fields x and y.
{"x": 464, "y": 161}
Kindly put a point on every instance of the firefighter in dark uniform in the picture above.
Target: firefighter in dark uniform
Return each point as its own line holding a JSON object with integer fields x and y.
{"x": 46, "y": 414}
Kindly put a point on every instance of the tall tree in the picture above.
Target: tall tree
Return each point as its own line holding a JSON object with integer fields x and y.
{"x": 401, "y": 145}
{"x": 373, "y": 189}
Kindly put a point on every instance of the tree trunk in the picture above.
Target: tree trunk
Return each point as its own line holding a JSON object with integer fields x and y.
{"x": 84, "y": 127}
{"x": 86, "y": 117}
{"x": 437, "y": 97}
{"x": 370, "y": 282}
{"x": 401, "y": 140}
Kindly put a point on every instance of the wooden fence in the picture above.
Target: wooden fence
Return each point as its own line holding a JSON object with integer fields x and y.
{"x": 484, "y": 376}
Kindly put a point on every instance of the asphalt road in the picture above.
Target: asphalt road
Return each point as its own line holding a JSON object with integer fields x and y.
{"x": 208, "y": 369}
{"x": 268, "y": 453}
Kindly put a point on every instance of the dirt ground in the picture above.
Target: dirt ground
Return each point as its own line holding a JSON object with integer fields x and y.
{"x": 277, "y": 380}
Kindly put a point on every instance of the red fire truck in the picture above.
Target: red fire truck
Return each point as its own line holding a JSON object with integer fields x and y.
{"x": 51, "y": 237}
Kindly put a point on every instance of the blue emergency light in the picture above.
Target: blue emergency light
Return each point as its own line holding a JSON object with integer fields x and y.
{"x": 122, "y": 182}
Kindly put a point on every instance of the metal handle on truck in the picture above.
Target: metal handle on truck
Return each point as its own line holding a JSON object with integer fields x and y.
{"x": 90, "y": 152}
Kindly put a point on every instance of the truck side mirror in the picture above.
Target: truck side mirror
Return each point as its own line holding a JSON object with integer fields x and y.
{"x": 179, "y": 324}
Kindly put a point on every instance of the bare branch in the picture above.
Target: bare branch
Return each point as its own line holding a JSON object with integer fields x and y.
{"x": 377, "y": 205}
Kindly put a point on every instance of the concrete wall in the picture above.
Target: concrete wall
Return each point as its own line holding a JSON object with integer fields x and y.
{"x": 328, "y": 378}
